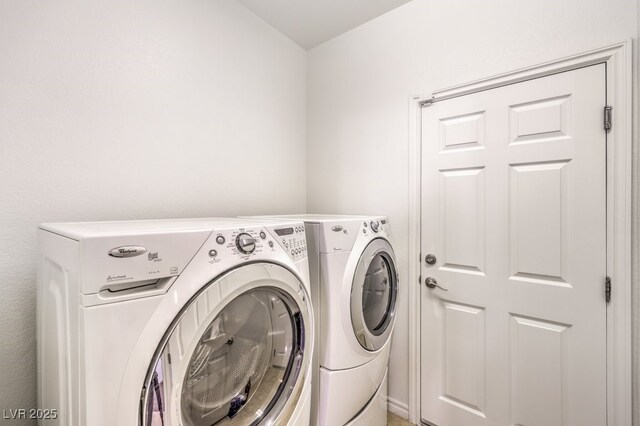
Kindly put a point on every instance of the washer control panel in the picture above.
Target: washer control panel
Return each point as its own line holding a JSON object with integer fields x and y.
{"x": 249, "y": 242}
{"x": 292, "y": 239}
{"x": 241, "y": 242}
{"x": 245, "y": 243}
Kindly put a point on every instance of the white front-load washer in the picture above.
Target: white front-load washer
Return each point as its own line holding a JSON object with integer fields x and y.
{"x": 354, "y": 284}
{"x": 181, "y": 322}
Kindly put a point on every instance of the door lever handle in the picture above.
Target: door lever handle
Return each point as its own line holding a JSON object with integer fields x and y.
{"x": 432, "y": 283}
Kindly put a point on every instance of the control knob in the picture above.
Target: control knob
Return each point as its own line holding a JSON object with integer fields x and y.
{"x": 245, "y": 243}
{"x": 375, "y": 226}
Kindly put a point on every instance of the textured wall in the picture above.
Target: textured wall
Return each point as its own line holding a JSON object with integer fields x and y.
{"x": 135, "y": 109}
{"x": 360, "y": 82}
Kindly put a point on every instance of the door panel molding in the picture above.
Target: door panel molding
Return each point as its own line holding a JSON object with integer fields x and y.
{"x": 618, "y": 60}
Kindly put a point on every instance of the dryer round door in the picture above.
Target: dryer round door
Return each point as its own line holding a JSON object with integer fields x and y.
{"x": 373, "y": 295}
{"x": 242, "y": 362}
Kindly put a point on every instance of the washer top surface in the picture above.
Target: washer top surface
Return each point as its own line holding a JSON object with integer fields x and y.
{"x": 80, "y": 230}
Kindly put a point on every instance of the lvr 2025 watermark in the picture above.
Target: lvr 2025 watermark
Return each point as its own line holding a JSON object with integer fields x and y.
{"x": 31, "y": 413}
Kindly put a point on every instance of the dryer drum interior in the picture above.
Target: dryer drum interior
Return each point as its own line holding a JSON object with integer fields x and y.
{"x": 242, "y": 370}
{"x": 373, "y": 295}
{"x": 376, "y": 293}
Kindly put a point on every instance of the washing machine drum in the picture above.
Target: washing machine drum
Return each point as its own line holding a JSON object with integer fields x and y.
{"x": 242, "y": 370}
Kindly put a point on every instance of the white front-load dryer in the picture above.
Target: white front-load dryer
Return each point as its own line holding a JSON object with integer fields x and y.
{"x": 183, "y": 322}
{"x": 354, "y": 284}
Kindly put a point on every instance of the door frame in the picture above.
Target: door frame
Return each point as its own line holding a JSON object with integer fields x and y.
{"x": 618, "y": 60}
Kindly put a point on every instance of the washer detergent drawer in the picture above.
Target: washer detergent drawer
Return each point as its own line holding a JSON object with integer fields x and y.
{"x": 375, "y": 413}
{"x": 344, "y": 393}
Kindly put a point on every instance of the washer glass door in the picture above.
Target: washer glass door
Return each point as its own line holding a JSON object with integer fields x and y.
{"x": 373, "y": 295}
{"x": 242, "y": 369}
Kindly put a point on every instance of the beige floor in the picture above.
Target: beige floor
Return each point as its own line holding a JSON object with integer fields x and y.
{"x": 393, "y": 420}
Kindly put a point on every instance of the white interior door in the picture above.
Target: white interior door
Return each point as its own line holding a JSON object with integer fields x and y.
{"x": 514, "y": 211}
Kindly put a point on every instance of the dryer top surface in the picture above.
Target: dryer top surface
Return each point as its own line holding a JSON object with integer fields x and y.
{"x": 326, "y": 218}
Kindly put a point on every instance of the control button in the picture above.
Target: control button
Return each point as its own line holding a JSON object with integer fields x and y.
{"x": 365, "y": 224}
{"x": 263, "y": 235}
{"x": 375, "y": 226}
{"x": 213, "y": 253}
{"x": 245, "y": 243}
{"x": 271, "y": 244}
{"x": 220, "y": 239}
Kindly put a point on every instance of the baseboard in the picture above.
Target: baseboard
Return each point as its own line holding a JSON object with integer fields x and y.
{"x": 398, "y": 408}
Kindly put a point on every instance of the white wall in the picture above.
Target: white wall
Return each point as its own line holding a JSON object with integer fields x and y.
{"x": 636, "y": 237}
{"x": 359, "y": 85}
{"x": 135, "y": 109}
